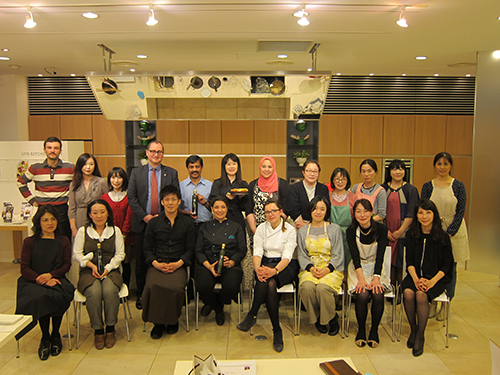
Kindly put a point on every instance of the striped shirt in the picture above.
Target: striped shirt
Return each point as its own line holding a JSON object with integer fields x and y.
{"x": 51, "y": 183}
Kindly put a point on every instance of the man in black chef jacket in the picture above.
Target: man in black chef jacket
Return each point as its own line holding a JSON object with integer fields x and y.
{"x": 169, "y": 244}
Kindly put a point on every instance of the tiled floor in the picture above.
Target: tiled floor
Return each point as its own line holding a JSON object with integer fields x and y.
{"x": 475, "y": 318}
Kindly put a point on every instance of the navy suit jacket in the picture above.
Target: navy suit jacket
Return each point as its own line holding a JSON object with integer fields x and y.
{"x": 298, "y": 203}
{"x": 138, "y": 189}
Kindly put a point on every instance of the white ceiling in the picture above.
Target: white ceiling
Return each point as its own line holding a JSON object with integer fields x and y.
{"x": 357, "y": 38}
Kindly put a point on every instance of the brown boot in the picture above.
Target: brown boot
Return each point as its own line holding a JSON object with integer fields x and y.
{"x": 110, "y": 339}
{"x": 99, "y": 342}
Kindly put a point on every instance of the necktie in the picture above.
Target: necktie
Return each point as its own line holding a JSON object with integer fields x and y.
{"x": 154, "y": 193}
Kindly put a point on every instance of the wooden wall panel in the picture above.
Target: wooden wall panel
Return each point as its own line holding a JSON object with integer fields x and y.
{"x": 354, "y": 170}
{"x": 248, "y": 169}
{"x": 459, "y": 132}
{"x": 205, "y": 137}
{"x": 423, "y": 171}
{"x": 399, "y": 135}
{"x": 211, "y": 167}
{"x": 237, "y": 137}
{"x": 107, "y": 162}
{"x": 76, "y": 127}
{"x": 178, "y": 163}
{"x": 367, "y": 133}
{"x": 430, "y": 134}
{"x": 88, "y": 147}
{"x": 270, "y": 138}
{"x": 335, "y": 135}
{"x": 108, "y": 136}
{"x": 329, "y": 163}
{"x": 174, "y": 135}
{"x": 42, "y": 127}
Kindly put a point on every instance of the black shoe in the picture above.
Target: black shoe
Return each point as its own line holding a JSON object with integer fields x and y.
{"x": 360, "y": 339}
{"x": 44, "y": 350}
{"x": 373, "y": 339}
{"x": 138, "y": 304}
{"x": 411, "y": 340}
{"x": 278, "y": 341}
{"x": 334, "y": 326}
{"x": 320, "y": 327}
{"x": 418, "y": 350}
{"x": 172, "y": 328}
{"x": 206, "y": 310}
{"x": 220, "y": 318}
{"x": 157, "y": 331}
{"x": 55, "y": 346}
{"x": 247, "y": 323}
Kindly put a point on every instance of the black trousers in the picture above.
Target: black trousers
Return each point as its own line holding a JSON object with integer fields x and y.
{"x": 141, "y": 268}
{"x": 63, "y": 221}
{"x": 230, "y": 280}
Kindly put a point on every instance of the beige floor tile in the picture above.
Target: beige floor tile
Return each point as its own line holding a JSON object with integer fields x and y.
{"x": 397, "y": 364}
{"x": 106, "y": 362}
{"x": 467, "y": 363}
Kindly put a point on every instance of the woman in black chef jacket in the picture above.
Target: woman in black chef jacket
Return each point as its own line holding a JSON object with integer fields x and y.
{"x": 213, "y": 235}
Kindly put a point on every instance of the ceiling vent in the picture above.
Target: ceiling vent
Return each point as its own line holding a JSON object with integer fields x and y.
{"x": 463, "y": 64}
{"x": 280, "y": 62}
{"x": 284, "y": 45}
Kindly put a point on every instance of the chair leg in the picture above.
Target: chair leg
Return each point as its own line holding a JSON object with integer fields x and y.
{"x": 128, "y": 307}
{"x": 144, "y": 327}
{"x": 239, "y": 306}
{"x": 187, "y": 308}
{"x": 17, "y": 349}
{"x": 78, "y": 316}
{"x": 447, "y": 317}
{"x": 196, "y": 327}
{"x": 400, "y": 315}
{"x": 342, "y": 331}
{"x": 124, "y": 301}
{"x": 69, "y": 332}
{"x": 349, "y": 298}
{"x": 300, "y": 308}
{"x": 394, "y": 316}
{"x": 295, "y": 316}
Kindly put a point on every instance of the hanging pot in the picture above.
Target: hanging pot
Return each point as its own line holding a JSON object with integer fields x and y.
{"x": 165, "y": 82}
{"x": 214, "y": 83}
{"x": 196, "y": 83}
{"x": 277, "y": 87}
{"x": 109, "y": 86}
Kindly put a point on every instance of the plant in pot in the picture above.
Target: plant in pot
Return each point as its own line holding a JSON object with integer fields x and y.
{"x": 142, "y": 157}
{"x": 301, "y": 157}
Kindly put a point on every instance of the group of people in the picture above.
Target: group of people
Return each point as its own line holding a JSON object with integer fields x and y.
{"x": 314, "y": 235}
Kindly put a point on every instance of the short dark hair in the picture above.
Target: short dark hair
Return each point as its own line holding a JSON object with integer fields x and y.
{"x": 153, "y": 143}
{"x": 367, "y": 205}
{"x": 220, "y": 198}
{"x": 395, "y": 164}
{"x": 51, "y": 140}
{"x": 437, "y": 227}
{"x": 42, "y": 210}
{"x": 119, "y": 171}
{"x": 170, "y": 189}
{"x": 110, "y": 220}
{"x": 371, "y": 163}
{"x": 441, "y": 155}
{"x": 343, "y": 172}
{"x": 193, "y": 159}
{"x": 311, "y": 162}
{"x": 314, "y": 202}
{"x": 278, "y": 204}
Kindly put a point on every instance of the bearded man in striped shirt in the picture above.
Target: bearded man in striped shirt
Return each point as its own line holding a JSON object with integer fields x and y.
{"x": 52, "y": 178}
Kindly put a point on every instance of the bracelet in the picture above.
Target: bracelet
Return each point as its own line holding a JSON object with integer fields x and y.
{"x": 377, "y": 276}
{"x": 277, "y": 270}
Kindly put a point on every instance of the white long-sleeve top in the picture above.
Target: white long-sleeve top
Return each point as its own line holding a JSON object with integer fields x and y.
{"x": 274, "y": 243}
{"x": 79, "y": 244}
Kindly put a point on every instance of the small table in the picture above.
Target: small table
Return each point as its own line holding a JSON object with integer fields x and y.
{"x": 17, "y": 235}
{"x": 8, "y": 332}
{"x": 289, "y": 366}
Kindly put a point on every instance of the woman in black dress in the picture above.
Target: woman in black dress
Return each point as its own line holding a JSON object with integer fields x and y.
{"x": 43, "y": 290}
{"x": 212, "y": 235}
{"x": 429, "y": 260}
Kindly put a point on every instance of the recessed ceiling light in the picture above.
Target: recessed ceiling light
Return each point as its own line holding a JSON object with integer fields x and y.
{"x": 436, "y": 75}
{"x": 421, "y": 57}
{"x": 5, "y": 58}
{"x": 404, "y": 74}
{"x": 5, "y": 49}
{"x": 90, "y": 15}
{"x": 309, "y": 69}
{"x": 371, "y": 74}
{"x": 496, "y": 54}
{"x": 40, "y": 75}
{"x": 132, "y": 70}
{"x": 339, "y": 74}
{"x": 72, "y": 74}
{"x": 142, "y": 56}
{"x": 15, "y": 67}
{"x": 467, "y": 75}
{"x": 283, "y": 56}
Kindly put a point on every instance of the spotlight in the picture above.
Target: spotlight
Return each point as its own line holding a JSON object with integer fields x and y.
{"x": 402, "y": 20}
{"x": 302, "y": 12}
{"x": 30, "y": 23}
{"x": 151, "y": 20}
{"x": 303, "y": 21}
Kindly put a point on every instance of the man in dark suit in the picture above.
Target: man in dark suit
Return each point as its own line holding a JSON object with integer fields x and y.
{"x": 301, "y": 193}
{"x": 145, "y": 203}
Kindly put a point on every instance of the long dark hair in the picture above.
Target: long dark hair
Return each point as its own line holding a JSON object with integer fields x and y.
{"x": 373, "y": 224}
{"x": 118, "y": 171}
{"x": 78, "y": 174}
{"x": 224, "y": 180}
{"x": 314, "y": 203}
{"x": 437, "y": 231}
{"x": 42, "y": 210}
{"x": 110, "y": 221}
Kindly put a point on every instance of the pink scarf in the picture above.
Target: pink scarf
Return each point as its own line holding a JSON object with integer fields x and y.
{"x": 270, "y": 184}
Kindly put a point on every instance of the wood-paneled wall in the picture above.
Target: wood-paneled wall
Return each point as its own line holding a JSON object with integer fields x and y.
{"x": 346, "y": 140}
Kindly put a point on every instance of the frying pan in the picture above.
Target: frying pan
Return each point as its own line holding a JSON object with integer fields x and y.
{"x": 196, "y": 83}
{"x": 214, "y": 83}
{"x": 277, "y": 87}
{"x": 165, "y": 82}
{"x": 109, "y": 86}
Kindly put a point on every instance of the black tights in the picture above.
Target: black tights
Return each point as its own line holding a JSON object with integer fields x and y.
{"x": 267, "y": 292}
{"x": 44, "y": 322}
{"x": 362, "y": 300}
{"x": 418, "y": 319}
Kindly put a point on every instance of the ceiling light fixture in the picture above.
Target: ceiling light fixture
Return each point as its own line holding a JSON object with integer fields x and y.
{"x": 151, "y": 20}
{"x": 142, "y": 56}
{"x": 436, "y": 75}
{"x": 402, "y": 20}
{"x": 283, "y": 56}
{"x": 132, "y": 70}
{"x": 467, "y": 75}
{"x": 421, "y": 57}
{"x": 496, "y": 54}
{"x": 303, "y": 21}
{"x": 90, "y": 15}
{"x": 302, "y": 16}
{"x": 5, "y": 49}
{"x": 30, "y": 23}
{"x": 4, "y": 58}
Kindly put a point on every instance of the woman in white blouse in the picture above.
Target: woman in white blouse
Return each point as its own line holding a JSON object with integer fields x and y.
{"x": 99, "y": 250}
{"x": 274, "y": 244}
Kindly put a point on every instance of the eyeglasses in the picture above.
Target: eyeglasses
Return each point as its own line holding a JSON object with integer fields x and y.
{"x": 343, "y": 179}
{"x": 271, "y": 212}
{"x": 311, "y": 171}
{"x": 154, "y": 152}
